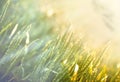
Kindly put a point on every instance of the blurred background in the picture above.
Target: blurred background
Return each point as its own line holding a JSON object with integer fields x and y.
{"x": 29, "y": 32}
{"x": 98, "y": 20}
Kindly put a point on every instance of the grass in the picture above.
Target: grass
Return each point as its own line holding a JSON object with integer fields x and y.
{"x": 33, "y": 52}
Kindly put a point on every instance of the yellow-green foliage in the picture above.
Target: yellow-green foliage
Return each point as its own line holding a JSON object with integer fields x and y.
{"x": 30, "y": 51}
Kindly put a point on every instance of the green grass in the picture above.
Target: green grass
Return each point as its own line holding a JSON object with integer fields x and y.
{"x": 34, "y": 52}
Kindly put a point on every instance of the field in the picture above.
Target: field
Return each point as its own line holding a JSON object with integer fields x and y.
{"x": 39, "y": 44}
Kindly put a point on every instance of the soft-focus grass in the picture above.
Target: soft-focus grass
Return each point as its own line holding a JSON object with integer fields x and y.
{"x": 34, "y": 52}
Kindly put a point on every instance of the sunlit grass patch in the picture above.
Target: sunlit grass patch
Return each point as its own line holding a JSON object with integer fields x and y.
{"x": 32, "y": 51}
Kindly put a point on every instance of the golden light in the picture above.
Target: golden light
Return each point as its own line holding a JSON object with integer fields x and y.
{"x": 50, "y": 12}
{"x": 65, "y": 61}
{"x": 118, "y": 65}
{"x": 76, "y": 68}
{"x": 97, "y": 20}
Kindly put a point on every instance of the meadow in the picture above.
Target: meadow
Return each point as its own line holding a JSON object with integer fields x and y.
{"x": 39, "y": 45}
